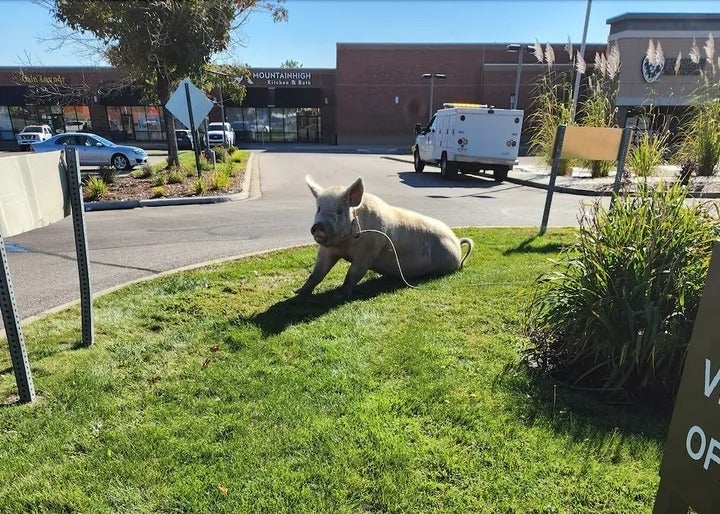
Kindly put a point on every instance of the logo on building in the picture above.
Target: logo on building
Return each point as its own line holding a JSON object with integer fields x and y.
{"x": 651, "y": 71}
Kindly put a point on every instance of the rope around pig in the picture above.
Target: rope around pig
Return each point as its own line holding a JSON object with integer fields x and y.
{"x": 356, "y": 233}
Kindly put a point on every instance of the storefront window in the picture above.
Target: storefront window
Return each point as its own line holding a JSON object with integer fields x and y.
{"x": 6, "y": 128}
{"x": 275, "y": 124}
{"x": 77, "y": 118}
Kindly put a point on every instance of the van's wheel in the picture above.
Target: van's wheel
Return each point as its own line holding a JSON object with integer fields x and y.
{"x": 500, "y": 174}
{"x": 419, "y": 163}
{"x": 448, "y": 169}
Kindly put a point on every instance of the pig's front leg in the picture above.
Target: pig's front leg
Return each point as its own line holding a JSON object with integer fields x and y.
{"x": 323, "y": 264}
{"x": 357, "y": 271}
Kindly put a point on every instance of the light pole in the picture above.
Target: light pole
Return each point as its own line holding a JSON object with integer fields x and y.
{"x": 220, "y": 95}
{"x": 518, "y": 48}
{"x": 432, "y": 77}
{"x": 576, "y": 88}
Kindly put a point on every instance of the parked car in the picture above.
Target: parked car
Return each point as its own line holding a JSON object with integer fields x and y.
{"x": 95, "y": 150}
{"x": 184, "y": 139}
{"x": 33, "y": 134}
{"x": 216, "y": 136}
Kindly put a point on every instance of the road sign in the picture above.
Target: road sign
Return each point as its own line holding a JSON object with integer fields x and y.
{"x": 178, "y": 104}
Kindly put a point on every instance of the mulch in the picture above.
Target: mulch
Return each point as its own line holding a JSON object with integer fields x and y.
{"x": 125, "y": 187}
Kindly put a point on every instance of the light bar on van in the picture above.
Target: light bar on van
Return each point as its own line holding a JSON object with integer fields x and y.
{"x": 460, "y": 104}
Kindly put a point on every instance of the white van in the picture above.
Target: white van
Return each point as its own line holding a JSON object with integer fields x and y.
{"x": 468, "y": 138}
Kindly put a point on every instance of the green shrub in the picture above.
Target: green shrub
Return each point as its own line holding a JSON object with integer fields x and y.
{"x": 199, "y": 186}
{"x": 226, "y": 168}
{"x": 176, "y": 175}
{"x": 158, "y": 192}
{"x": 647, "y": 153}
{"x": 108, "y": 174}
{"x": 221, "y": 154}
{"x": 145, "y": 172}
{"x": 160, "y": 178}
{"x": 238, "y": 156}
{"x": 617, "y": 312}
{"x": 552, "y": 104}
{"x": 701, "y": 136}
{"x": 219, "y": 181}
{"x": 95, "y": 188}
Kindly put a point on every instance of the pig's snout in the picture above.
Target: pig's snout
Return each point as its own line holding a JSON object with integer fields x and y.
{"x": 319, "y": 232}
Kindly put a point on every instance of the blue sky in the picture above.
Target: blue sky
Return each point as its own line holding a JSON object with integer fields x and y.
{"x": 314, "y": 27}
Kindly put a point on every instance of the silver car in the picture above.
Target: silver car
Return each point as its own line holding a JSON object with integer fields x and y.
{"x": 94, "y": 150}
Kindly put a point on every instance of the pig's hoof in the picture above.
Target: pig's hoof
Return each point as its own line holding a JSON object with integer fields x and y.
{"x": 303, "y": 291}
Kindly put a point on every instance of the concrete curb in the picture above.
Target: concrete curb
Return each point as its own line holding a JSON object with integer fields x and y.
{"x": 569, "y": 190}
{"x": 187, "y": 200}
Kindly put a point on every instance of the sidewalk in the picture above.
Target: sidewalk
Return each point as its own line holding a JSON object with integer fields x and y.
{"x": 531, "y": 171}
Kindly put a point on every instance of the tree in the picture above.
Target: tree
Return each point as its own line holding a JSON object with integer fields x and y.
{"x": 160, "y": 42}
{"x": 291, "y": 63}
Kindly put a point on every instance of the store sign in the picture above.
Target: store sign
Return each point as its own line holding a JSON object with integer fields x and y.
{"x": 690, "y": 470}
{"x": 42, "y": 79}
{"x": 652, "y": 72}
{"x": 282, "y": 78}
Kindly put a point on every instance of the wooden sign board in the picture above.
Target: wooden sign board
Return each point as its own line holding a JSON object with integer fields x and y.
{"x": 690, "y": 469}
{"x": 592, "y": 143}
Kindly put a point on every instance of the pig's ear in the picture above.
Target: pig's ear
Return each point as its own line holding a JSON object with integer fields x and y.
{"x": 354, "y": 193}
{"x": 314, "y": 188}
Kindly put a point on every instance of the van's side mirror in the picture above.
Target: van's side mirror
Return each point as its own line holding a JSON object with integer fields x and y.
{"x": 418, "y": 128}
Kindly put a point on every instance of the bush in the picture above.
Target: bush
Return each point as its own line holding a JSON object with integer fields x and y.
{"x": 108, "y": 174}
{"x": 221, "y": 154}
{"x": 701, "y": 137}
{"x": 145, "y": 172}
{"x": 618, "y": 311}
{"x": 219, "y": 181}
{"x": 95, "y": 188}
{"x": 647, "y": 154}
{"x": 158, "y": 192}
{"x": 199, "y": 186}
{"x": 176, "y": 175}
{"x": 160, "y": 178}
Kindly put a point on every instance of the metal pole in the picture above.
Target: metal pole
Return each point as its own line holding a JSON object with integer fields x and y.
{"x": 222, "y": 110}
{"x": 192, "y": 128}
{"x": 72, "y": 166}
{"x": 576, "y": 89}
{"x": 432, "y": 86}
{"x": 521, "y": 51}
{"x": 622, "y": 152}
{"x": 557, "y": 151}
{"x": 13, "y": 332}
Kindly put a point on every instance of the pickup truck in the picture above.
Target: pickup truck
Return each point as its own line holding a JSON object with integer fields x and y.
{"x": 215, "y": 133}
{"x": 468, "y": 138}
{"x": 33, "y": 134}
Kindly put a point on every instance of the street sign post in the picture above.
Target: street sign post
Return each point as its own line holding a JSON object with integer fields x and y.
{"x": 188, "y": 104}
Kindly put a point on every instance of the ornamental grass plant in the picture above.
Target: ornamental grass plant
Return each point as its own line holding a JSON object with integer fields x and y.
{"x": 617, "y": 312}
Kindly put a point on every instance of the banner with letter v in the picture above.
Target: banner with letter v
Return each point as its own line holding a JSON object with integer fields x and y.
{"x": 690, "y": 469}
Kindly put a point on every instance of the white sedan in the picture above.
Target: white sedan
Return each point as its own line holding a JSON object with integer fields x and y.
{"x": 94, "y": 150}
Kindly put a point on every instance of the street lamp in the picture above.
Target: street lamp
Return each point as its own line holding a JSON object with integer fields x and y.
{"x": 516, "y": 48}
{"x": 220, "y": 95}
{"x": 432, "y": 77}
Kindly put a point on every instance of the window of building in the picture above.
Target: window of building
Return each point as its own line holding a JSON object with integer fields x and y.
{"x": 6, "y": 128}
{"x": 135, "y": 123}
{"x": 275, "y": 123}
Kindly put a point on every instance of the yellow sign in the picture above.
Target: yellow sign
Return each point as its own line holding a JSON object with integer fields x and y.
{"x": 42, "y": 79}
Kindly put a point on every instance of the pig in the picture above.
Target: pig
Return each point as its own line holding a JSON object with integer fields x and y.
{"x": 350, "y": 224}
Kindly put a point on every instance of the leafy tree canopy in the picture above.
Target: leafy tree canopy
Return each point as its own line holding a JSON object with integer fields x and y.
{"x": 159, "y": 42}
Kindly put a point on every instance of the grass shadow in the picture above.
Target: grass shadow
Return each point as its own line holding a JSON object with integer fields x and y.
{"x": 584, "y": 415}
{"x": 527, "y": 246}
{"x": 301, "y": 309}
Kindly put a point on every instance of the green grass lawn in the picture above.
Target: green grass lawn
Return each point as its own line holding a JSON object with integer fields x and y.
{"x": 216, "y": 390}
